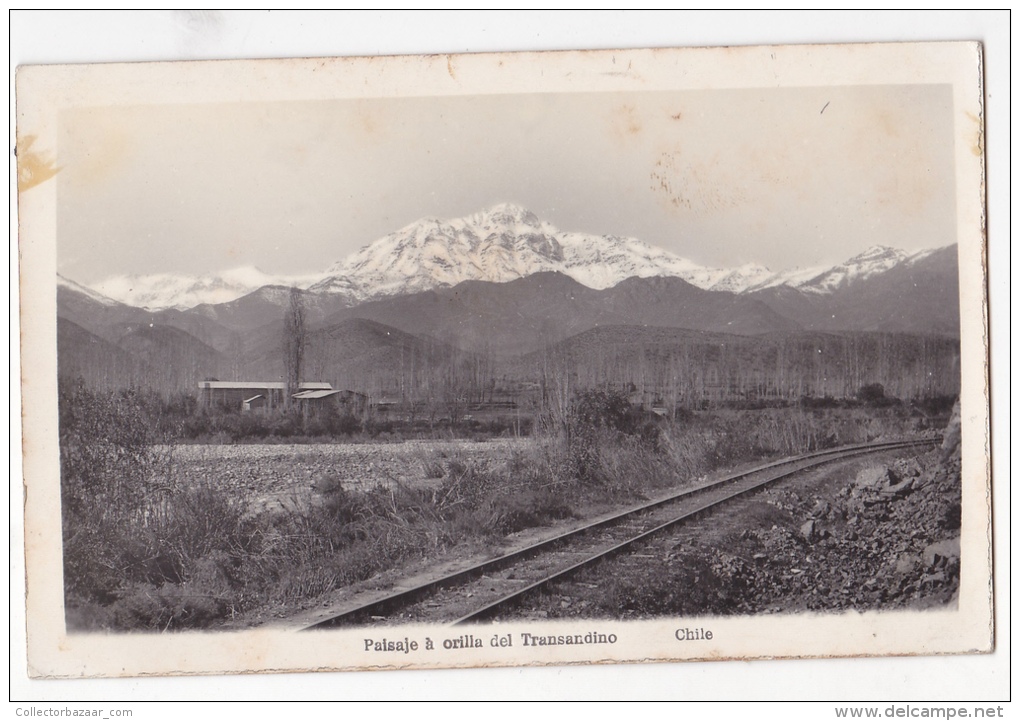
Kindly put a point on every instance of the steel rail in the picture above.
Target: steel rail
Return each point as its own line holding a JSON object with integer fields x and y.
{"x": 385, "y": 606}
{"x": 512, "y": 598}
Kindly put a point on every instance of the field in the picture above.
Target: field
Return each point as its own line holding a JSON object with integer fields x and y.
{"x": 273, "y": 476}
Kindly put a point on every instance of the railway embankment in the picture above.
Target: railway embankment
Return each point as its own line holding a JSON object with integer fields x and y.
{"x": 872, "y": 534}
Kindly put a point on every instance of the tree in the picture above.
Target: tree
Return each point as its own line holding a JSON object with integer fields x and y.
{"x": 293, "y": 345}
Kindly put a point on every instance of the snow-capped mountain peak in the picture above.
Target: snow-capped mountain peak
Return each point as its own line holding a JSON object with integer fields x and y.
{"x": 170, "y": 290}
{"x": 876, "y": 259}
{"x": 740, "y": 279}
{"x": 498, "y": 244}
{"x": 63, "y": 282}
{"x": 875, "y": 252}
{"x": 505, "y": 216}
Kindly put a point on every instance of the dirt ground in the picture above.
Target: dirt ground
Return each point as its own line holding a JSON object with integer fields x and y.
{"x": 283, "y": 474}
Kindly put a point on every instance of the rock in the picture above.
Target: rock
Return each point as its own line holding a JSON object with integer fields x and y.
{"x": 947, "y": 550}
{"x": 821, "y": 509}
{"x": 872, "y": 477}
{"x": 909, "y": 468}
{"x": 808, "y": 531}
{"x": 951, "y": 517}
{"x": 906, "y": 563}
{"x": 898, "y": 490}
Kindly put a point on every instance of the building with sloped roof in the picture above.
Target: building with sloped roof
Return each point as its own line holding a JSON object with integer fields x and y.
{"x": 315, "y": 400}
{"x": 251, "y": 395}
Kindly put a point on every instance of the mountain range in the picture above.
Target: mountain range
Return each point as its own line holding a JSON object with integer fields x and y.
{"x": 487, "y": 289}
{"x": 498, "y": 245}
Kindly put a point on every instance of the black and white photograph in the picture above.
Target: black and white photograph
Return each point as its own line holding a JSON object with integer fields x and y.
{"x": 505, "y": 359}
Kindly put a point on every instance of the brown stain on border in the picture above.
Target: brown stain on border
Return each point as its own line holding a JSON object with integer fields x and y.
{"x": 977, "y": 146}
{"x": 33, "y": 168}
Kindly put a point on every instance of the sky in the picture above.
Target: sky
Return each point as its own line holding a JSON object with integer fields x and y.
{"x": 787, "y": 178}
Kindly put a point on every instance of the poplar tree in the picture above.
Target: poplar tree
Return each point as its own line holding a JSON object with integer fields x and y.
{"x": 294, "y": 345}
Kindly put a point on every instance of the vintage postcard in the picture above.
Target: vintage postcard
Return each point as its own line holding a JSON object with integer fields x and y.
{"x": 504, "y": 359}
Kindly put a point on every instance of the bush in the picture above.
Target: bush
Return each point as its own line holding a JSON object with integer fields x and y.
{"x": 137, "y": 544}
{"x": 873, "y": 394}
{"x": 158, "y": 608}
{"x": 598, "y": 423}
{"x": 939, "y": 406}
{"x": 284, "y": 425}
{"x": 316, "y": 427}
{"x": 601, "y": 408}
{"x": 195, "y": 426}
{"x": 507, "y": 514}
{"x": 342, "y": 424}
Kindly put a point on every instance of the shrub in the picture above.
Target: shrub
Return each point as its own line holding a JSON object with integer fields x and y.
{"x": 195, "y": 426}
{"x": 940, "y": 406}
{"x": 136, "y": 542}
{"x": 598, "y": 423}
{"x": 873, "y": 395}
{"x": 284, "y": 425}
{"x": 146, "y": 607}
{"x": 601, "y": 408}
{"x": 343, "y": 424}
{"x": 110, "y": 447}
{"x": 515, "y": 512}
{"x": 316, "y": 427}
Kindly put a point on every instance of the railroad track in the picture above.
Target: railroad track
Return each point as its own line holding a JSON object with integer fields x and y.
{"x": 502, "y": 582}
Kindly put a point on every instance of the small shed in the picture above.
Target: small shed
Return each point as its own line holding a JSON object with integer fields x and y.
{"x": 254, "y": 403}
{"x": 344, "y": 401}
